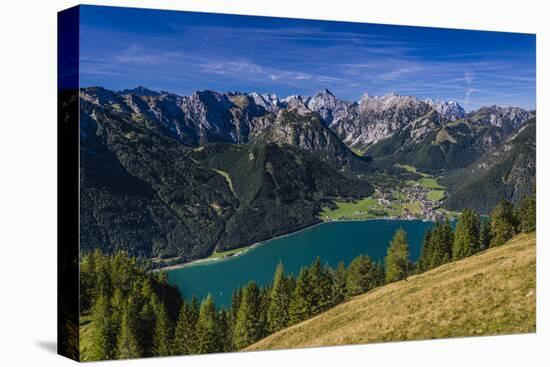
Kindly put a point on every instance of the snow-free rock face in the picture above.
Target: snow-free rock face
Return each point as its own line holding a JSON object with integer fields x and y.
{"x": 269, "y": 101}
{"x": 507, "y": 118}
{"x": 330, "y": 109}
{"x": 210, "y": 116}
{"x": 140, "y": 91}
{"x": 377, "y": 118}
{"x": 449, "y": 110}
{"x": 307, "y": 131}
{"x": 202, "y": 117}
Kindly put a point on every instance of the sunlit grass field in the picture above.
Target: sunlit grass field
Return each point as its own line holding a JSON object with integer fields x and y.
{"x": 493, "y": 292}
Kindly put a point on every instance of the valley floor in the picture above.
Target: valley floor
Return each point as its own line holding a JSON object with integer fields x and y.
{"x": 493, "y": 292}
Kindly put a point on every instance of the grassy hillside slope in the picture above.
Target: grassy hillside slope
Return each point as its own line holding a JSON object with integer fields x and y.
{"x": 490, "y": 293}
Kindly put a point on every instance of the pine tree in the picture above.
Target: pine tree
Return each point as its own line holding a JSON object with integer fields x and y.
{"x": 397, "y": 258}
{"x": 195, "y": 309}
{"x": 467, "y": 237}
{"x": 87, "y": 282}
{"x": 503, "y": 223}
{"x": 441, "y": 245}
{"x": 103, "y": 330}
{"x": 426, "y": 253}
{"x": 247, "y": 325}
{"x": 162, "y": 336}
{"x": 325, "y": 289}
{"x": 291, "y": 285}
{"x": 316, "y": 274}
{"x": 127, "y": 342}
{"x": 279, "y": 301}
{"x": 235, "y": 304}
{"x": 321, "y": 280}
{"x": 146, "y": 325}
{"x": 206, "y": 327}
{"x": 485, "y": 234}
{"x": 263, "y": 329}
{"x": 185, "y": 333}
{"x": 301, "y": 304}
{"x": 124, "y": 302}
{"x": 380, "y": 272}
{"x": 363, "y": 274}
{"x": 527, "y": 213}
{"x": 104, "y": 286}
{"x": 118, "y": 304}
{"x": 223, "y": 329}
{"x": 339, "y": 287}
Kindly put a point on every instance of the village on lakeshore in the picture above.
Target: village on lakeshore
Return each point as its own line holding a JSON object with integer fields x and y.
{"x": 420, "y": 199}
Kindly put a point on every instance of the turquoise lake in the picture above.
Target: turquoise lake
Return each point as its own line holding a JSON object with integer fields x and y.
{"x": 332, "y": 242}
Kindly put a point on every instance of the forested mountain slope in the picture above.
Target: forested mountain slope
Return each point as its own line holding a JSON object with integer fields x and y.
{"x": 145, "y": 192}
{"x": 508, "y": 170}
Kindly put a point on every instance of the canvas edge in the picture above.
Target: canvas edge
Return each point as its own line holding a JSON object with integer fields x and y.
{"x": 68, "y": 218}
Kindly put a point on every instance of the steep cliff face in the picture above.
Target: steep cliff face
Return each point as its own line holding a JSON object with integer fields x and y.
{"x": 449, "y": 110}
{"x": 375, "y": 119}
{"x": 507, "y": 118}
{"x": 306, "y": 131}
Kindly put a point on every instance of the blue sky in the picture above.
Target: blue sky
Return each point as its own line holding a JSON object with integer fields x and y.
{"x": 182, "y": 52}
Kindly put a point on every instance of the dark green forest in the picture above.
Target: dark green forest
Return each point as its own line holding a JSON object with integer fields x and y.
{"x": 132, "y": 313}
{"x": 145, "y": 193}
{"x": 510, "y": 172}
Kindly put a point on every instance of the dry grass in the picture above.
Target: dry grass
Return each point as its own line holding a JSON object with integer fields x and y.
{"x": 443, "y": 136}
{"x": 487, "y": 294}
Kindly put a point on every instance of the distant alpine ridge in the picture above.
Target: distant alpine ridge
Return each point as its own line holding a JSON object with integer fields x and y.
{"x": 209, "y": 116}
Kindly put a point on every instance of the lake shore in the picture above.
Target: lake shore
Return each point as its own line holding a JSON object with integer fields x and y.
{"x": 260, "y": 243}
{"x": 241, "y": 252}
{"x": 332, "y": 243}
{"x": 205, "y": 260}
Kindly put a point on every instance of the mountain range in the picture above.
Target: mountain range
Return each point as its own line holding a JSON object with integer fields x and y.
{"x": 169, "y": 175}
{"x": 209, "y": 116}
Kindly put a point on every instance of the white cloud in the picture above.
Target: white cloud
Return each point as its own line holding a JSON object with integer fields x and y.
{"x": 303, "y": 76}
{"x": 468, "y": 77}
{"x": 469, "y": 92}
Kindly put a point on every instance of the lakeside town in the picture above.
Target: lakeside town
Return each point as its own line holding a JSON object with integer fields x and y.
{"x": 415, "y": 200}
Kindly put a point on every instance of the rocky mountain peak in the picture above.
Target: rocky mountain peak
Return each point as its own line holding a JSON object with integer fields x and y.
{"x": 268, "y": 101}
{"x": 329, "y": 108}
{"x": 140, "y": 91}
{"x": 391, "y": 101}
{"x": 507, "y": 118}
{"x": 449, "y": 110}
{"x": 324, "y": 97}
